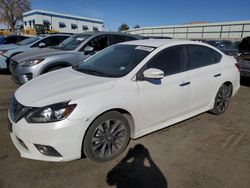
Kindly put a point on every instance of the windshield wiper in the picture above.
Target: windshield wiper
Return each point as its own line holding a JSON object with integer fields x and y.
{"x": 94, "y": 72}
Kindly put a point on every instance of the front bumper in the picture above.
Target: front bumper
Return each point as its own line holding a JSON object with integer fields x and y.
{"x": 65, "y": 137}
{"x": 20, "y": 74}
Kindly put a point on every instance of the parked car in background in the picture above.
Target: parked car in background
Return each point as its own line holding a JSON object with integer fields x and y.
{"x": 12, "y": 39}
{"x": 244, "y": 46}
{"x": 125, "y": 91}
{"x": 72, "y": 51}
{"x": 9, "y": 50}
{"x": 226, "y": 46}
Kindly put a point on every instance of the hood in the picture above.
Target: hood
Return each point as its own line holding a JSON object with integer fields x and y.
{"x": 61, "y": 85}
{"x": 39, "y": 53}
{"x": 8, "y": 46}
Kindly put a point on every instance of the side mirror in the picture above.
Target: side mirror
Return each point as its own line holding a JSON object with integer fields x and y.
{"x": 153, "y": 73}
{"x": 42, "y": 45}
{"x": 88, "y": 50}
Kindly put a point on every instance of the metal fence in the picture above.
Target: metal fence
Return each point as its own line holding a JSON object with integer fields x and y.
{"x": 222, "y": 30}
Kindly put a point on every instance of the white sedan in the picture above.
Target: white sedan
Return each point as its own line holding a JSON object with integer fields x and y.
{"x": 125, "y": 91}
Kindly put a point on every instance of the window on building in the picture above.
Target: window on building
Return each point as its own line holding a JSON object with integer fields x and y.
{"x": 85, "y": 27}
{"x": 74, "y": 26}
{"x": 46, "y": 22}
{"x": 62, "y": 25}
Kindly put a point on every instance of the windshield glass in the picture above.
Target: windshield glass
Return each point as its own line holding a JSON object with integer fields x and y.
{"x": 115, "y": 61}
{"x": 73, "y": 42}
{"x": 29, "y": 40}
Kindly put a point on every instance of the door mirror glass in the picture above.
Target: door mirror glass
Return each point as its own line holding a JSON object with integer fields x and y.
{"x": 153, "y": 73}
{"x": 42, "y": 45}
{"x": 88, "y": 49}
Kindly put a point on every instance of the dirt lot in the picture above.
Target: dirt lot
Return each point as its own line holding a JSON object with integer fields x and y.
{"x": 205, "y": 151}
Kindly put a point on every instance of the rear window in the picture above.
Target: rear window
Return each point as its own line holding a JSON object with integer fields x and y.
{"x": 201, "y": 56}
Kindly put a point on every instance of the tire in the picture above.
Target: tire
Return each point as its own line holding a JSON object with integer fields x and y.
{"x": 222, "y": 100}
{"x": 107, "y": 137}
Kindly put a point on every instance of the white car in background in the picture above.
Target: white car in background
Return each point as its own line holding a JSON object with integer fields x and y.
{"x": 125, "y": 91}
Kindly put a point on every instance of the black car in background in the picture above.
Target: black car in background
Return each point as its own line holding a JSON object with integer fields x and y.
{"x": 12, "y": 39}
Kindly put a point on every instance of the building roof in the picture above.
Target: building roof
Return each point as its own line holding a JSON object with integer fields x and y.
{"x": 56, "y": 14}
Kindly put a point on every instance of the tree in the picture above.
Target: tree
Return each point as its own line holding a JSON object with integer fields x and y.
{"x": 123, "y": 27}
{"x": 136, "y": 27}
{"x": 11, "y": 11}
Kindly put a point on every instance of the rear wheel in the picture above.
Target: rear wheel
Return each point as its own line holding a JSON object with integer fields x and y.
{"x": 107, "y": 137}
{"x": 222, "y": 100}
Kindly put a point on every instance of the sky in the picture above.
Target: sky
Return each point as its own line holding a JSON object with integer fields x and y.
{"x": 148, "y": 12}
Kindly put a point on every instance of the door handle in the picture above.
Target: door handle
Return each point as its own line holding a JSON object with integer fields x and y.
{"x": 184, "y": 84}
{"x": 217, "y": 75}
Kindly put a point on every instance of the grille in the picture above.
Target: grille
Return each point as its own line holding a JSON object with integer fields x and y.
{"x": 17, "y": 110}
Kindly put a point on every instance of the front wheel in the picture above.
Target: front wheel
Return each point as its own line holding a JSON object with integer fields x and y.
{"x": 107, "y": 137}
{"x": 222, "y": 100}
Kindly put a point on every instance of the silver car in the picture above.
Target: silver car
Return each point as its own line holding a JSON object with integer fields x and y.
{"x": 7, "y": 51}
{"x": 72, "y": 51}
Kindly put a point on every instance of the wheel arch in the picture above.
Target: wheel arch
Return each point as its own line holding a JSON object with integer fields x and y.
{"x": 229, "y": 84}
{"x": 56, "y": 64}
{"x": 124, "y": 112}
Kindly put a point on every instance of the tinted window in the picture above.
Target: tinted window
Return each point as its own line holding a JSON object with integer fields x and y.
{"x": 168, "y": 60}
{"x": 117, "y": 39}
{"x": 50, "y": 41}
{"x": 200, "y": 56}
{"x": 11, "y": 40}
{"x": 99, "y": 42}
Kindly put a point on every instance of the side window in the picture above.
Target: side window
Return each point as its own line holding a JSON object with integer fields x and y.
{"x": 168, "y": 60}
{"x": 49, "y": 41}
{"x": 129, "y": 38}
{"x": 117, "y": 39}
{"x": 98, "y": 43}
{"x": 11, "y": 40}
{"x": 201, "y": 56}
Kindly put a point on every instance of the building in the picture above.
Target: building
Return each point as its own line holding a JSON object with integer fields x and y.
{"x": 63, "y": 23}
{"x": 220, "y": 30}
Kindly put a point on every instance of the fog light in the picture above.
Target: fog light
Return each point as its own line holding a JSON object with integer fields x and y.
{"x": 29, "y": 76}
{"x": 47, "y": 150}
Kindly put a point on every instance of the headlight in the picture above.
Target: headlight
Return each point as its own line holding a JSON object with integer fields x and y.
{"x": 3, "y": 52}
{"x": 31, "y": 62}
{"x": 51, "y": 113}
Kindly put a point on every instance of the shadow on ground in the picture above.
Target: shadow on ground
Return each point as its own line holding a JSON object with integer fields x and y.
{"x": 245, "y": 81}
{"x": 5, "y": 72}
{"x": 137, "y": 169}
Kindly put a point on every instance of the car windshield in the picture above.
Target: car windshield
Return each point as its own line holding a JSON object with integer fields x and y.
{"x": 73, "y": 42}
{"x": 115, "y": 61}
{"x": 29, "y": 40}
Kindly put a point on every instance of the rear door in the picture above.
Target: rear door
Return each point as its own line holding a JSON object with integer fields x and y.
{"x": 205, "y": 75}
{"x": 168, "y": 98}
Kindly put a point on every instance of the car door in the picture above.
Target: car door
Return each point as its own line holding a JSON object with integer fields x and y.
{"x": 166, "y": 99}
{"x": 205, "y": 75}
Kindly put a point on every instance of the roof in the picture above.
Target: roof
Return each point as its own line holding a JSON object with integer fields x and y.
{"x": 107, "y": 33}
{"x": 56, "y": 14}
{"x": 154, "y": 42}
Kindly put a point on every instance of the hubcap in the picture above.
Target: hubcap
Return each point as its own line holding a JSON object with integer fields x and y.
{"x": 223, "y": 99}
{"x": 108, "y": 138}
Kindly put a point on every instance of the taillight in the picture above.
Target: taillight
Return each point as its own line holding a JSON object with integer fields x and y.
{"x": 238, "y": 66}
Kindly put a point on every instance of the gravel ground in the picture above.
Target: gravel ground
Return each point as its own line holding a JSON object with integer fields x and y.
{"x": 204, "y": 151}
